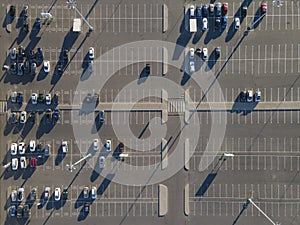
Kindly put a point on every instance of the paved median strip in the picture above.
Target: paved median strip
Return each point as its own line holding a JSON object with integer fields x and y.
{"x": 163, "y": 200}
{"x": 164, "y": 153}
{"x": 186, "y": 200}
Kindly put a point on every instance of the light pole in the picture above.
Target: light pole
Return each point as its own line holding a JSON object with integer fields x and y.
{"x": 259, "y": 209}
{"x": 71, "y": 4}
{"x": 72, "y": 166}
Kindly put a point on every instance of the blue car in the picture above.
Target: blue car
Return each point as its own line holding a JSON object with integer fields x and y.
{"x": 224, "y": 22}
{"x": 198, "y": 11}
{"x": 56, "y": 114}
{"x": 40, "y": 55}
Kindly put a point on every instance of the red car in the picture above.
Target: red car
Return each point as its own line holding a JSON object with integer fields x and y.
{"x": 33, "y": 163}
{"x": 264, "y": 7}
{"x": 225, "y": 8}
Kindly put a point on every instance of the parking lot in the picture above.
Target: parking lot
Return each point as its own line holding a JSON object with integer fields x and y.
{"x": 264, "y": 142}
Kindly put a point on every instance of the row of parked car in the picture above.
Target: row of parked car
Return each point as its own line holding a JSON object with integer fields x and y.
{"x": 17, "y": 97}
{"x": 22, "y": 116}
{"x": 250, "y": 96}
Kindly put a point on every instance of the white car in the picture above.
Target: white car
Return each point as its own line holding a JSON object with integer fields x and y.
{"x": 13, "y": 53}
{"x": 249, "y": 96}
{"x": 205, "y": 53}
{"x": 48, "y": 99}
{"x": 13, "y": 97}
{"x": 34, "y": 97}
{"x": 192, "y": 53}
{"x": 91, "y": 53}
{"x": 23, "y": 117}
{"x": 192, "y": 11}
{"x": 46, "y": 193}
{"x": 108, "y": 145}
{"x": 23, "y": 163}
{"x": 57, "y": 194}
{"x": 101, "y": 162}
{"x": 46, "y": 66}
{"x": 85, "y": 192}
{"x": 32, "y": 145}
{"x": 93, "y": 192}
{"x": 237, "y": 23}
{"x": 204, "y": 24}
{"x": 192, "y": 66}
{"x": 13, "y": 195}
{"x": 13, "y": 148}
{"x": 21, "y": 148}
{"x": 96, "y": 144}
{"x": 14, "y": 163}
{"x": 64, "y": 146}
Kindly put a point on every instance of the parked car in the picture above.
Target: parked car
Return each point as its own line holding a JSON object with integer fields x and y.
{"x": 23, "y": 117}
{"x": 32, "y": 145}
{"x": 91, "y": 53}
{"x": 224, "y": 8}
{"x": 14, "y": 164}
{"x": 21, "y": 148}
{"x": 23, "y": 162}
{"x": 33, "y": 68}
{"x": 26, "y": 211}
{"x": 249, "y": 96}
{"x": 33, "y": 163}
{"x": 192, "y": 66}
{"x": 13, "y": 97}
{"x": 13, "y": 148}
{"x": 37, "y": 25}
{"x": 20, "y": 69}
{"x": 192, "y": 11}
{"x": 64, "y": 146}
{"x": 55, "y": 114}
{"x": 65, "y": 194}
{"x": 21, "y": 52}
{"x": 39, "y": 54}
{"x": 198, "y": 11}
{"x": 108, "y": 145}
{"x": 20, "y": 211}
{"x": 211, "y": 9}
{"x": 217, "y": 52}
{"x": 12, "y": 211}
{"x": 33, "y": 194}
{"x": 14, "y": 117}
{"x": 101, "y": 116}
{"x": 57, "y": 194}
{"x": 46, "y": 193}
{"x": 204, "y": 53}
{"x": 20, "y": 98}
{"x": 218, "y": 8}
{"x": 96, "y": 144}
{"x": 192, "y": 53}
{"x": 47, "y": 150}
{"x": 198, "y": 52}
{"x": 85, "y": 192}
{"x": 264, "y": 8}
{"x": 34, "y": 98}
{"x": 13, "y": 53}
{"x": 40, "y": 98}
{"x": 204, "y": 24}
{"x": 12, "y": 11}
{"x": 204, "y": 11}
{"x": 244, "y": 10}
{"x": 26, "y": 67}
{"x": 48, "y": 99}
{"x": 257, "y": 96}
{"x": 224, "y": 22}
{"x": 101, "y": 162}
{"x": 86, "y": 207}
{"x": 46, "y": 66}
{"x": 93, "y": 192}
{"x": 13, "y": 68}
{"x": 20, "y": 194}
{"x": 218, "y": 22}
{"x": 13, "y": 195}
{"x": 237, "y": 23}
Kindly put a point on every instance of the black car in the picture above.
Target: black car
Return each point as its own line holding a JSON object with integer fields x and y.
{"x": 243, "y": 96}
{"x": 218, "y": 22}
{"x": 26, "y": 67}
{"x": 13, "y": 68}
{"x": 31, "y": 54}
{"x": 21, "y": 52}
{"x": 20, "y": 211}
{"x": 14, "y": 117}
{"x": 32, "y": 117}
{"x": 55, "y": 99}
{"x": 147, "y": 69}
{"x": 20, "y": 98}
{"x": 48, "y": 114}
{"x": 204, "y": 11}
{"x": 12, "y": 11}
{"x": 65, "y": 55}
{"x": 217, "y": 52}
{"x": 39, "y": 147}
{"x": 37, "y": 24}
{"x": 198, "y": 52}
{"x": 198, "y": 11}
{"x": 86, "y": 207}
{"x": 26, "y": 27}
{"x": 25, "y": 12}
{"x": 65, "y": 194}
{"x": 40, "y": 98}
{"x": 60, "y": 67}
{"x": 26, "y": 211}
{"x": 39, "y": 55}
{"x": 244, "y": 11}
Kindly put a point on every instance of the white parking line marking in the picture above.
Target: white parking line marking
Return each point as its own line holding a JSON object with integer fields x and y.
{"x": 272, "y": 52}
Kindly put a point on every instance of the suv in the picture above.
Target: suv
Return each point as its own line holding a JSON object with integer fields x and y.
{"x": 96, "y": 144}
{"x": 20, "y": 194}
{"x": 64, "y": 146}
{"x": 39, "y": 55}
{"x": 85, "y": 192}
{"x": 34, "y": 98}
{"x": 57, "y": 194}
{"x": 218, "y": 8}
{"x": 257, "y": 96}
{"x": 33, "y": 194}
{"x": 20, "y": 211}
{"x": 23, "y": 117}
{"x": 40, "y": 98}
{"x": 249, "y": 96}
{"x": 13, "y": 97}
{"x": 101, "y": 116}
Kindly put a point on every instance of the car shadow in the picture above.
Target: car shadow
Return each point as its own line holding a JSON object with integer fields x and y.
{"x": 212, "y": 60}
{"x": 79, "y": 201}
{"x": 8, "y": 127}
{"x": 45, "y": 126}
{"x": 50, "y": 203}
{"x": 105, "y": 183}
{"x": 243, "y": 107}
{"x": 41, "y": 75}
{"x": 231, "y": 32}
{"x": 21, "y": 36}
{"x": 97, "y": 124}
{"x": 198, "y": 35}
{"x": 26, "y": 129}
{"x": 82, "y": 215}
{"x": 28, "y": 172}
{"x": 143, "y": 76}
{"x": 60, "y": 156}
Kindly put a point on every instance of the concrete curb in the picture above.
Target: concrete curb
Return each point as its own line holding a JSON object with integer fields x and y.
{"x": 162, "y": 200}
{"x": 186, "y": 199}
{"x": 164, "y": 100}
{"x": 187, "y": 154}
{"x": 165, "y": 18}
{"x": 187, "y": 110}
{"x": 164, "y": 61}
{"x": 164, "y": 154}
